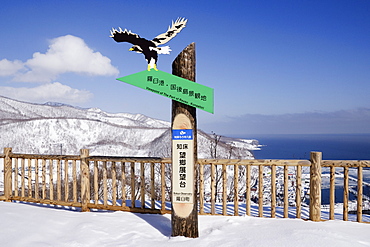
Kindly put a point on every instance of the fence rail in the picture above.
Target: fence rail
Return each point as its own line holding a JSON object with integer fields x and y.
{"x": 346, "y": 165}
{"x": 225, "y": 186}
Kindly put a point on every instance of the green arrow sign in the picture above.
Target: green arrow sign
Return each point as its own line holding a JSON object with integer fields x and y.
{"x": 173, "y": 87}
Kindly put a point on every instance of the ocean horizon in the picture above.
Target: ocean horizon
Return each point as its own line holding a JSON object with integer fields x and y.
{"x": 299, "y": 146}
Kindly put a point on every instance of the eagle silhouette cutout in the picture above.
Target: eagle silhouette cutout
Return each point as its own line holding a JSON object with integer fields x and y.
{"x": 150, "y": 48}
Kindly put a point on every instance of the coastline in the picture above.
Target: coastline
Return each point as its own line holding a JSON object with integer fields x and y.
{"x": 299, "y": 146}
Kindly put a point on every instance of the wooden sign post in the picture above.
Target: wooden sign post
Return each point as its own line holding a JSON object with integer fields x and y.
{"x": 184, "y": 154}
{"x": 186, "y": 96}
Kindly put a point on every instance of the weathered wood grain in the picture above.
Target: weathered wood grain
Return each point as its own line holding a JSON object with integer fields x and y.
{"x": 345, "y": 193}
{"x": 260, "y": 191}
{"x": 286, "y": 185}
{"x": 85, "y": 184}
{"x": 359, "y": 194}
{"x": 201, "y": 189}
{"x": 315, "y": 186}
{"x": 213, "y": 189}
{"x": 332, "y": 193}
{"x": 184, "y": 66}
{"x": 8, "y": 174}
{"x": 236, "y": 192}
{"x": 273, "y": 191}
{"x": 298, "y": 192}
{"x": 224, "y": 190}
{"x": 248, "y": 191}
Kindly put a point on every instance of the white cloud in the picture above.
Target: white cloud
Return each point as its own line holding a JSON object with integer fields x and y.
{"x": 65, "y": 54}
{"x": 8, "y": 68}
{"x": 55, "y": 92}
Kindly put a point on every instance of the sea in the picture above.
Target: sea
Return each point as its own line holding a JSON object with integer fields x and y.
{"x": 332, "y": 146}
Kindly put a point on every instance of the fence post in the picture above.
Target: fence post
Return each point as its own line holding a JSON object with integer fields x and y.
{"x": 7, "y": 174}
{"x": 315, "y": 186}
{"x": 85, "y": 183}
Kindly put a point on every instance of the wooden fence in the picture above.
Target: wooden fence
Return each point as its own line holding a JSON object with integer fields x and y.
{"x": 342, "y": 167}
{"x": 227, "y": 187}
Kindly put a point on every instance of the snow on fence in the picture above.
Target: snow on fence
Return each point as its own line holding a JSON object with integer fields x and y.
{"x": 227, "y": 187}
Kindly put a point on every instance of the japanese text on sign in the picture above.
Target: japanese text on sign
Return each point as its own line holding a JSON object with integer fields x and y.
{"x": 183, "y": 165}
{"x": 175, "y": 88}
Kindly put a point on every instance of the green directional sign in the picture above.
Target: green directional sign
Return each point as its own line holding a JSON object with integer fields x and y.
{"x": 173, "y": 87}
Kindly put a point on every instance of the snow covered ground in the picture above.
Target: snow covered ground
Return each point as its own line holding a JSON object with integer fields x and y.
{"x": 27, "y": 225}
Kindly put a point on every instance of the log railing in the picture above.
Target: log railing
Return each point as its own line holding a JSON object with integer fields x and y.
{"x": 226, "y": 187}
{"x": 88, "y": 182}
{"x": 341, "y": 168}
{"x": 237, "y": 185}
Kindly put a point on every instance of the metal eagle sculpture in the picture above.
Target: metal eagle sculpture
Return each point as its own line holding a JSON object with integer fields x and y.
{"x": 150, "y": 48}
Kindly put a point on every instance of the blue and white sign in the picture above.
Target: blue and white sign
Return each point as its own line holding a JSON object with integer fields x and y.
{"x": 182, "y": 134}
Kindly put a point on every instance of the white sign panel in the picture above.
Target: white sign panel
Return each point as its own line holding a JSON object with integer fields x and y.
{"x": 182, "y": 165}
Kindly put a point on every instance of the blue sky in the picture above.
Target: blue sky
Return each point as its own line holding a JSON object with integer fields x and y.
{"x": 277, "y": 67}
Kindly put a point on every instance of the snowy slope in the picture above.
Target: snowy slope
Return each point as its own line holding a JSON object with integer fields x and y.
{"x": 25, "y": 225}
{"x": 55, "y": 128}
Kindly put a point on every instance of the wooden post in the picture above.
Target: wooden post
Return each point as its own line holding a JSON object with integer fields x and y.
{"x": 260, "y": 191}
{"x": 359, "y": 193}
{"x": 201, "y": 189}
{"x": 114, "y": 183}
{"x": 286, "y": 191}
{"x": 29, "y": 176}
{"x": 105, "y": 188}
{"x": 7, "y": 174}
{"x": 248, "y": 191}
{"x": 315, "y": 186}
{"x": 185, "y": 215}
{"x": 123, "y": 183}
{"x": 142, "y": 185}
{"x": 51, "y": 179}
{"x": 85, "y": 183}
{"x": 236, "y": 193}
{"x": 152, "y": 184}
{"x": 74, "y": 175}
{"x": 16, "y": 177}
{"x": 133, "y": 178}
{"x": 96, "y": 184}
{"x": 37, "y": 179}
{"x": 213, "y": 189}
{"x": 298, "y": 192}
{"x": 273, "y": 191}
{"x": 163, "y": 187}
{"x": 224, "y": 190}
{"x": 332, "y": 193}
{"x": 59, "y": 179}
{"x": 345, "y": 193}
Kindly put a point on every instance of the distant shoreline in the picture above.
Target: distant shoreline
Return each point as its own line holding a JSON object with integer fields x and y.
{"x": 299, "y": 146}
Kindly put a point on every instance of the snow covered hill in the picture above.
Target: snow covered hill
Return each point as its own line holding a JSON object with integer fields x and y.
{"x": 55, "y": 128}
{"x": 26, "y": 225}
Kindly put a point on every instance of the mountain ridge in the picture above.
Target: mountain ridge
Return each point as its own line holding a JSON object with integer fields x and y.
{"x": 57, "y": 128}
